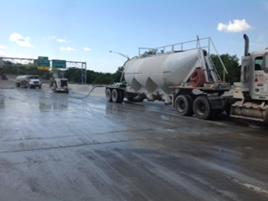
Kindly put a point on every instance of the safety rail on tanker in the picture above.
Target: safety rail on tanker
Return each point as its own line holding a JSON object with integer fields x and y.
{"x": 199, "y": 43}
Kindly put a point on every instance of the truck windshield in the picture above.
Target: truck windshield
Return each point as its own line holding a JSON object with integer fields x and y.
{"x": 34, "y": 77}
{"x": 64, "y": 83}
{"x": 259, "y": 63}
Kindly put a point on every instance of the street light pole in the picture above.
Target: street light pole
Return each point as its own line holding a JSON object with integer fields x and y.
{"x": 125, "y": 56}
{"x": 119, "y": 53}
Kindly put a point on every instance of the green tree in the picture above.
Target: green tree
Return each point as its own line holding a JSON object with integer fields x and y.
{"x": 118, "y": 74}
{"x": 72, "y": 74}
{"x": 232, "y": 65}
{"x": 24, "y": 69}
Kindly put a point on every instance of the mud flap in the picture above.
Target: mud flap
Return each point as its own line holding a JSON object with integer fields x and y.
{"x": 216, "y": 103}
{"x": 266, "y": 117}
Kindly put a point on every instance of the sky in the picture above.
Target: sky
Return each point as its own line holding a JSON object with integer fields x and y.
{"x": 85, "y": 30}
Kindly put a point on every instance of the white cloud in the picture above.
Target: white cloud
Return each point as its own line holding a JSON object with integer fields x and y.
{"x": 234, "y": 26}
{"x": 2, "y": 50}
{"x": 61, "y": 40}
{"x": 20, "y": 40}
{"x": 67, "y": 49}
{"x": 2, "y": 47}
{"x": 87, "y": 49}
{"x": 57, "y": 39}
{"x": 3, "y": 53}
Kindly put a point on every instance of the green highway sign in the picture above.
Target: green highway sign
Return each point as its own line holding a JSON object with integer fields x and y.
{"x": 58, "y": 63}
{"x": 42, "y": 61}
{"x": 42, "y": 58}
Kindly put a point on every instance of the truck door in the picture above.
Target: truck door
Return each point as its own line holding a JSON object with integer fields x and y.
{"x": 260, "y": 83}
{"x": 247, "y": 72}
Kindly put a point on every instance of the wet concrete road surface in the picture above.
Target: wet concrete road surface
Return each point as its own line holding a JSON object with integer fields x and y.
{"x": 54, "y": 147}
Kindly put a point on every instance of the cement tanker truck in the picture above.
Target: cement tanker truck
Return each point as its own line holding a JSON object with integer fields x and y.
{"x": 189, "y": 80}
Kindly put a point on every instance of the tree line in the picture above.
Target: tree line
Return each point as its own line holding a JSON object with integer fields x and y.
{"x": 74, "y": 74}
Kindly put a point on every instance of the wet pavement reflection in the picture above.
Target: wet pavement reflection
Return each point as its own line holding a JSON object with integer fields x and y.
{"x": 57, "y": 147}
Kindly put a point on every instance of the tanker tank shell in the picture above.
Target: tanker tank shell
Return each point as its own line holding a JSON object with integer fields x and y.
{"x": 155, "y": 74}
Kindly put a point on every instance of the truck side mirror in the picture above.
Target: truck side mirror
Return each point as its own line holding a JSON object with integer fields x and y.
{"x": 266, "y": 63}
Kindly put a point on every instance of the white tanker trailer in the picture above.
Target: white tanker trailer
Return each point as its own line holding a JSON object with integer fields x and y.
{"x": 154, "y": 75}
{"x": 188, "y": 79}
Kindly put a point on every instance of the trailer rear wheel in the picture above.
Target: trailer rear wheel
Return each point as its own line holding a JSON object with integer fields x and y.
{"x": 202, "y": 108}
{"x": 183, "y": 105}
{"x": 108, "y": 94}
{"x": 116, "y": 96}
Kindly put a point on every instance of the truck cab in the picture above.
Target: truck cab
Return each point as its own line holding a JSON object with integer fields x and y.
{"x": 250, "y": 96}
{"x": 254, "y": 75}
{"x": 60, "y": 85}
{"x": 34, "y": 82}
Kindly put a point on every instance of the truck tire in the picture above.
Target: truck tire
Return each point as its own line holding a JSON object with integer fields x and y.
{"x": 202, "y": 108}
{"x": 184, "y": 105}
{"x": 108, "y": 94}
{"x": 116, "y": 96}
{"x": 17, "y": 84}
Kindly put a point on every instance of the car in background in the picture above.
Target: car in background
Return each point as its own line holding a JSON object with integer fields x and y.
{"x": 28, "y": 81}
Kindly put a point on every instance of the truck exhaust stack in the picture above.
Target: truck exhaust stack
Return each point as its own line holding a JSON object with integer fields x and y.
{"x": 246, "y": 44}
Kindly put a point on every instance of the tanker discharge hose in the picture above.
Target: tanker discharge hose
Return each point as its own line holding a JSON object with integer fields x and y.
{"x": 89, "y": 92}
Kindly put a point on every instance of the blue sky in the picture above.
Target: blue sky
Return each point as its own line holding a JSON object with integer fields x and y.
{"x": 86, "y": 30}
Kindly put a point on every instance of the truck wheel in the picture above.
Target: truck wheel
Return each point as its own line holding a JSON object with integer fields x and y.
{"x": 201, "y": 108}
{"x": 116, "y": 96}
{"x": 17, "y": 84}
{"x": 108, "y": 94}
{"x": 183, "y": 105}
